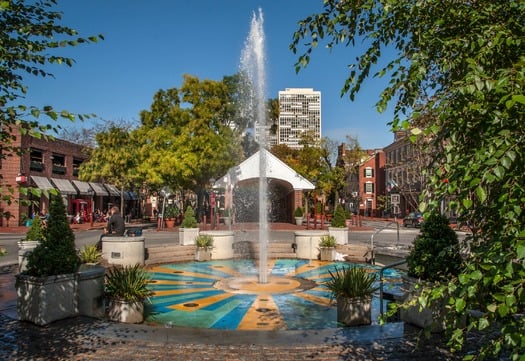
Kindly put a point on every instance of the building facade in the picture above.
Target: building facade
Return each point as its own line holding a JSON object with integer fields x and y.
{"x": 45, "y": 165}
{"x": 299, "y": 113}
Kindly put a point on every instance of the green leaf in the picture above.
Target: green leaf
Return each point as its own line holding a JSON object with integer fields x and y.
{"x": 481, "y": 193}
{"x": 460, "y": 304}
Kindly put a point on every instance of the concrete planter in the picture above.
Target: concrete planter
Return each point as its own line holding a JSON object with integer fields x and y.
{"x": 327, "y": 253}
{"x": 91, "y": 291}
{"x": 203, "y": 254}
{"x": 42, "y": 300}
{"x": 187, "y": 236}
{"x": 299, "y": 221}
{"x": 126, "y": 312}
{"x": 125, "y": 251}
{"x": 339, "y": 233}
{"x": 24, "y": 250}
{"x": 307, "y": 243}
{"x": 222, "y": 244}
{"x": 354, "y": 311}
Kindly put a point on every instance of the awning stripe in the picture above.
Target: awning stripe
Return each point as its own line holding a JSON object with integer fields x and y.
{"x": 113, "y": 190}
{"x": 83, "y": 187}
{"x": 99, "y": 189}
{"x": 64, "y": 186}
{"x": 42, "y": 183}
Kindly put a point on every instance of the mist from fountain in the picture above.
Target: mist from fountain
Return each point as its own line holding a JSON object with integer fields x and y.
{"x": 253, "y": 67}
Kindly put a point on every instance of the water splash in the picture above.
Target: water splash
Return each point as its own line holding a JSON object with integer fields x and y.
{"x": 253, "y": 70}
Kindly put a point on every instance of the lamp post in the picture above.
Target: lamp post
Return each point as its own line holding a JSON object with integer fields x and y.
{"x": 91, "y": 208}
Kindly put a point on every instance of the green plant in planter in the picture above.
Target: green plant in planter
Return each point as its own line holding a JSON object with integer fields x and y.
{"x": 351, "y": 282}
{"x": 129, "y": 284}
{"x": 90, "y": 254}
{"x": 204, "y": 241}
{"x": 436, "y": 253}
{"x": 171, "y": 212}
{"x": 339, "y": 217}
{"x": 327, "y": 241}
{"x": 36, "y": 231}
{"x": 318, "y": 208}
{"x": 189, "y": 220}
{"x": 298, "y": 212}
{"x": 56, "y": 253}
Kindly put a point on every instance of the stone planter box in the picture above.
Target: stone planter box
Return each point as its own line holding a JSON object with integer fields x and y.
{"x": 307, "y": 243}
{"x": 126, "y": 312}
{"x": 187, "y": 236}
{"x": 91, "y": 291}
{"x": 339, "y": 233}
{"x": 24, "y": 250}
{"x": 354, "y": 311}
{"x": 222, "y": 244}
{"x": 327, "y": 253}
{"x": 42, "y": 300}
{"x": 125, "y": 251}
{"x": 203, "y": 254}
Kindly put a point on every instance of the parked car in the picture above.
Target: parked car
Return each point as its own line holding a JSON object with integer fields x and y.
{"x": 413, "y": 219}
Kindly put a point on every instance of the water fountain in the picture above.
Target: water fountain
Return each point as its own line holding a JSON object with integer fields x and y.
{"x": 253, "y": 67}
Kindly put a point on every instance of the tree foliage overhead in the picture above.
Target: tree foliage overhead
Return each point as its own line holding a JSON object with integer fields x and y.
{"x": 459, "y": 66}
{"x": 31, "y": 37}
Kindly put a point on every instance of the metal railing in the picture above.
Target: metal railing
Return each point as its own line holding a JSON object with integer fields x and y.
{"x": 377, "y": 232}
{"x": 381, "y": 281}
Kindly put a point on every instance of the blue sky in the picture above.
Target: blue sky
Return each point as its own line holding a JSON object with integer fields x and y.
{"x": 150, "y": 45}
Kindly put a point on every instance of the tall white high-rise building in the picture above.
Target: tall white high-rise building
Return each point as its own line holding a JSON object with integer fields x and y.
{"x": 299, "y": 112}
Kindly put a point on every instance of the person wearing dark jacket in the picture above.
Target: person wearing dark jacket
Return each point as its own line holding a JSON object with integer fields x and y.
{"x": 115, "y": 226}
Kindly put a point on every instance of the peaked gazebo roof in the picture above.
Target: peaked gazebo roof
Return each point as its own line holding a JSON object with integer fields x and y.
{"x": 275, "y": 168}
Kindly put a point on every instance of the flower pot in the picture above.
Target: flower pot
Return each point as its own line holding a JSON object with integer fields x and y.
{"x": 42, "y": 300}
{"x": 203, "y": 254}
{"x": 327, "y": 253}
{"x": 170, "y": 223}
{"x": 354, "y": 311}
{"x": 339, "y": 233}
{"x": 126, "y": 312}
{"x": 299, "y": 221}
{"x": 187, "y": 236}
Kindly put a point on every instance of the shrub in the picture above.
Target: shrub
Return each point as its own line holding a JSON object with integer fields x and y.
{"x": 129, "y": 284}
{"x": 204, "y": 241}
{"x": 327, "y": 241}
{"x": 90, "y": 254}
{"x": 435, "y": 254}
{"x": 36, "y": 231}
{"x": 171, "y": 212}
{"x": 339, "y": 219}
{"x": 189, "y": 220}
{"x": 56, "y": 254}
{"x": 298, "y": 212}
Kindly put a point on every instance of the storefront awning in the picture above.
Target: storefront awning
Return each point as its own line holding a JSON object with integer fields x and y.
{"x": 99, "y": 189}
{"x": 64, "y": 186}
{"x": 83, "y": 187}
{"x": 132, "y": 196}
{"x": 42, "y": 183}
{"x": 113, "y": 190}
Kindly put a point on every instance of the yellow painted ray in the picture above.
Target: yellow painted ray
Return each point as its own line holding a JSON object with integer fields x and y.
{"x": 170, "y": 282}
{"x": 262, "y": 315}
{"x": 201, "y": 302}
{"x": 181, "y": 291}
{"x": 227, "y": 270}
{"x": 323, "y": 301}
{"x": 307, "y": 267}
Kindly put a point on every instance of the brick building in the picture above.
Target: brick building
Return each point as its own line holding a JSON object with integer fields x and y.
{"x": 48, "y": 164}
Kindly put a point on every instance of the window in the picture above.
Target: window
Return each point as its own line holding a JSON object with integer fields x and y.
{"x": 369, "y": 187}
{"x": 59, "y": 164}
{"x": 369, "y": 172}
{"x": 36, "y": 160}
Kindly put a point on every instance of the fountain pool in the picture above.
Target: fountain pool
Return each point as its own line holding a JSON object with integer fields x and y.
{"x": 226, "y": 294}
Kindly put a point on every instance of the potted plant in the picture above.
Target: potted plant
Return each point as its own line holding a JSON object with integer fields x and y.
{"x": 188, "y": 230}
{"x": 434, "y": 257}
{"x": 90, "y": 278}
{"x": 298, "y": 214}
{"x": 338, "y": 227}
{"x": 227, "y": 216}
{"x": 26, "y": 245}
{"x": 127, "y": 289}
{"x": 352, "y": 287}
{"x": 47, "y": 289}
{"x": 204, "y": 243}
{"x": 327, "y": 248}
{"x": 170, "y": 215}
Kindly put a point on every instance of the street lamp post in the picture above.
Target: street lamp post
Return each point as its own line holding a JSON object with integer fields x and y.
{"x": 91, "y": 208}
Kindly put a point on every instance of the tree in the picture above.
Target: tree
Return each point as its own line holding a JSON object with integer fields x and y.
{"x": 186, "y": 137}
{"x": 30, "y": 37}
{"x": 114, "y": 160}
{"x": 460, "y": 65}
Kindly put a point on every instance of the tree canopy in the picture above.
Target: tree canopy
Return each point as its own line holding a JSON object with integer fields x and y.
{"x": 456, "y": 77}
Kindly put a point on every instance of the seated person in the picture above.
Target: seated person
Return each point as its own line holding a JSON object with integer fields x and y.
{"x": 115, "y": 226}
